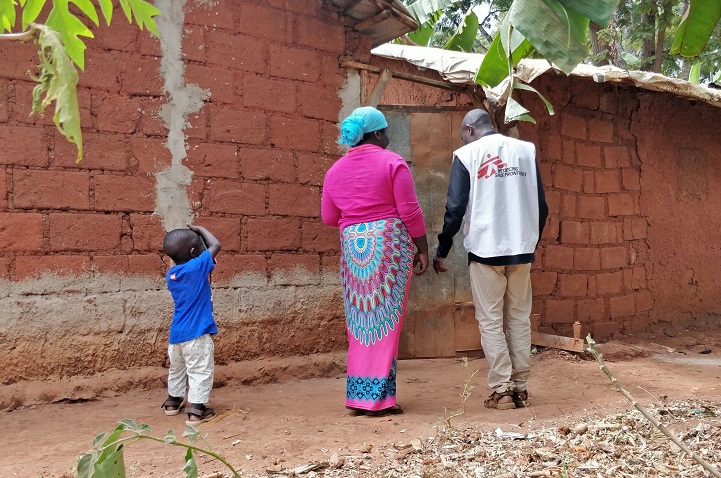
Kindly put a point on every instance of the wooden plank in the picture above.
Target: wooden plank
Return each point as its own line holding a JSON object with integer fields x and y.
{"x": 467, "y": 335}
{"x": 403, "y": 76}
{"x": 557, "y": 342}
{"x": 379, "y": 88}
{"x": 371, "y": 21}
{"x": 351, "y": 5}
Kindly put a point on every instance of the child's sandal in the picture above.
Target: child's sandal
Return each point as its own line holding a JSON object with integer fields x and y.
{"x": 172, "y": 405}
{"x": 201, "y": 411}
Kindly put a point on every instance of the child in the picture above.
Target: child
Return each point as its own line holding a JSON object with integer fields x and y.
{"x": 191, "y": 345}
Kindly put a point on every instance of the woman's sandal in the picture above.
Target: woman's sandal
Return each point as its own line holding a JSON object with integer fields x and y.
{"x": 173, "y": 405}
{"x": 494, "y": 401}
{"x": 394, "y": 410}
{"x": 201, "y": 411}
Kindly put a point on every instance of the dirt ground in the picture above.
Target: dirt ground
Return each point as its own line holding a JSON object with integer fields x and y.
{"x": 294, "y": 422}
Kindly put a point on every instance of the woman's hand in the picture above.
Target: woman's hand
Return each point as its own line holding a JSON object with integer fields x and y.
{"x": 422, "y": 259}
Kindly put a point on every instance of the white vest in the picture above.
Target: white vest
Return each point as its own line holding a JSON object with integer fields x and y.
{"x": 502, "y": 214}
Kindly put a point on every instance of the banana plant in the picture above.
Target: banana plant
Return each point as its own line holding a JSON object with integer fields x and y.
{"x": 696, "y": 27}
{"x": 61, "y": 49}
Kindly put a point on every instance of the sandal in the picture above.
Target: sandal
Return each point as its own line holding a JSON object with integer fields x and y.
{"x": 172, "y": 405}
{"x": 394, "y": 410}
{"x": 201, "y": 411}
{"x": 494, "y": 399}
{"x": 520, "y": 399}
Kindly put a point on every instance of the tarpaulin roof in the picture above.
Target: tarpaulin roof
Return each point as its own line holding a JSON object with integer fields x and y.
{"x": 460, "y": 68}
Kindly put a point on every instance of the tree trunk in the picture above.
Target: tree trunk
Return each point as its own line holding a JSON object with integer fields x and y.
{"x": 600, "y": 51}
{"x": 648, "y": 47}
{"x": 660, "y": 36}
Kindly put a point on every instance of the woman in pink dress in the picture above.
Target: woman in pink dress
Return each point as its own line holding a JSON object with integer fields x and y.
{"x": 369, "y": 195}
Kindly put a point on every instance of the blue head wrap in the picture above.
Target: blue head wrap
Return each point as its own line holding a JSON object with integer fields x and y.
{"x": 363, "y": 120}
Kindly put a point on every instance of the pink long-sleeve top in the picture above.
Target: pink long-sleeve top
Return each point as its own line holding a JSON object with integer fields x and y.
{"x": 369, "y": 184}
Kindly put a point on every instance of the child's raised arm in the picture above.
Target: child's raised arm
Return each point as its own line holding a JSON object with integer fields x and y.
{"x": 212, "y": 242}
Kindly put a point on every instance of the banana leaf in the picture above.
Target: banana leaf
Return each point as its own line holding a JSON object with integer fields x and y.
{"x": 696, "y": 27}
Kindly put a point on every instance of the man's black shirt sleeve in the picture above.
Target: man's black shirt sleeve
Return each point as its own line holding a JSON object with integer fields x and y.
{"x": 542, "y": 205}
{"x": 459, "y": 187}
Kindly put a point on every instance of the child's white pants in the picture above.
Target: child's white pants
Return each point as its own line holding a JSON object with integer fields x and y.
{"x": 191, "y": 366}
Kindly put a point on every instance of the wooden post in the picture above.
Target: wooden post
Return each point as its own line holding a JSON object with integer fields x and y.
{"x": 375, "y": 97}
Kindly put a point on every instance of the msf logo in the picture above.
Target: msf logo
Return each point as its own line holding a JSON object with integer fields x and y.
{"x": 490, "y": 167}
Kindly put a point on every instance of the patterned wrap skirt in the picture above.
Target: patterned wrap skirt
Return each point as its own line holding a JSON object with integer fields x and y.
{"x": 375, "y": 271}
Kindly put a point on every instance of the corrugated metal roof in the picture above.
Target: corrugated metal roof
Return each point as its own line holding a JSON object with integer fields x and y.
{"x": 382, "y": 20}
{"x": 460, "y": 68}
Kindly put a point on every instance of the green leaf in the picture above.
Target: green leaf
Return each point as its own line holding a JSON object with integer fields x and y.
{"x": 143, "y": 12}
{"x": 423, "y": 10}
{"x": 190, "y": 468}
{"x": 144, "y": 427}
{"x": 70, "y": 27}
{"x": 523, "y": 86}
{"x": 87, "y": 7}
{"x": 129, "y": 424}
{"x": 99, "y": 438}
{"x": 694, "y": 75}
{"x": 556, "y": 31}
{"x": 423, "y": 35}
{"x": 465, "y": 35}
{"x": 191, "y": 433}
{"x": 599, "y": 11}
{"x": 169, "y": 437}
{"x": 516, "y": 112}
{"x": 86, "y": 465}
{"x": 632, "y": 61}
{"x": 58, "y": 83}
{"x": 7, "y": 14}
{"x": 31, "y": 11}
{"x": 111, "y": 465}
{"x": 106, "y": 6}
{"x": 696, "y": 27}
{"x": 494, "y": 67}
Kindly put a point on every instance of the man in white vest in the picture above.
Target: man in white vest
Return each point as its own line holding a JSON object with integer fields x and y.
{"x": 495, "y": 191}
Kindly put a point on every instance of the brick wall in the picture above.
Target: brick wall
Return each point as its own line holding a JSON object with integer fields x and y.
{"x": 80, "y": 242}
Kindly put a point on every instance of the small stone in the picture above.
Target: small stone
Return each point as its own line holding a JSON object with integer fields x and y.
{"x": 336, "y": 461}
{"x": 365, "y": 448}
{"x": 580, "y": 429}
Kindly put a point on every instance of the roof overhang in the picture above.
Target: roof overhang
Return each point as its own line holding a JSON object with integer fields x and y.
{"x": 382, "y": 20}
{"x": 460, "y": 68}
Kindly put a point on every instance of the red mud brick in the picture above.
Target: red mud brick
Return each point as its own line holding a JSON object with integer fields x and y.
{"x": 605, "y": 330}
{"x": 644, "y": 301}
{"x": 214, "y": 160}
{"x": 197, "y": 125}
{"x": 239, "y": 52}
{"x": 294, "y": 63}
{"x": 269, "y": 94}
{"x": 569, "y": 179}
{"x": 141, "y": 76}
{"x": 84, "y": 232}
{"x": 236, "y": 198}
{"x": 574, "y": 232}
{"x": 221, "y": 83}
{"x": 267, "y": 23}
{"x": 588, "y": 182}
{"x": 321, "y": 35}
{"x": 150, "y": 154}
{"x": 317, "y": 237}
{"x": 568, "y": 206}
{"x": 590, "y": 207}
{"x": 639, "y": 228}
{"x": 117, "y": 264}
{"x": 5, "y": 267}
{"x": 621, "y": 205}
{"x": 215, "y": 14}
{"x": 231, "y": 265}
{"x": 3, "y": 189}
{"x": 624, "y": 306}
{"x": 559, "y": 312}
{"x": 34, "y": 189}
{"x": 603, "y": 233}
{"x": 272, "y": 234}
{"x": 295, "y": 133}
{"x": 569, "y": 152}
{"x": 147, "y": 232}
{"x": 616, "y": 157}
{"x": 587, "y": 259}
{"x": 102, "y": 71}
{"x": 332, "y": 75}
{"x": 307, "y": 7}
{"x": 631, "y": 179}
{"x": 148, "y": 44}
{"x": 546, "y": 171}
{"x": 553, "y": 148}
{"x": 193, "y": 45}
{"x": 591, "y": 310}
{"x": 295, "y": 269}
{"x": 607, "y": 182}
{"x": 543, "y": 283}
{"x": 118, "y": 114}
{"x": 588, "y": 155}
{"x": 592, "y": 286}
{"x": 105, "y": 152}
{"x": 146, "y": 264}
{"x": 613, "y": 257}
{"x": 638, "y": 280}
{"x": 600, "y": 130}
{"x": 550, "y": 232}
{"x": 558, "y": 257}
{"x": 609, "y": 283}
{"x": 267, "y": 164}
{"x": 312, "y": 168}
{"x": 553, "y": 199}
{"x": 608, "y": 103}
{"x": 237, "y": 126}
{"x": 124, "y": 193}
{"x": 21, "y": 232}
{"x": 226, "y": 229}
{"x": 573, "y": 126}
{"x": 329, "y": 139}
{"x": 18, "y": 58}
{"x": 36, "y": 266}
{"x": 293, "y": 200}
{"x": 23, "y": 146}
{"x": 119, "y": 35}
{"x": 573, "y": 285}
{"x": 150, "y": 120}
{"x": 5, "y": 94}
{"x": 312, "y": 107}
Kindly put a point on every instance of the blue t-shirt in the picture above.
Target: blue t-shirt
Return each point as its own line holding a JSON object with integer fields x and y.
{"x": 190, "y": 287}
